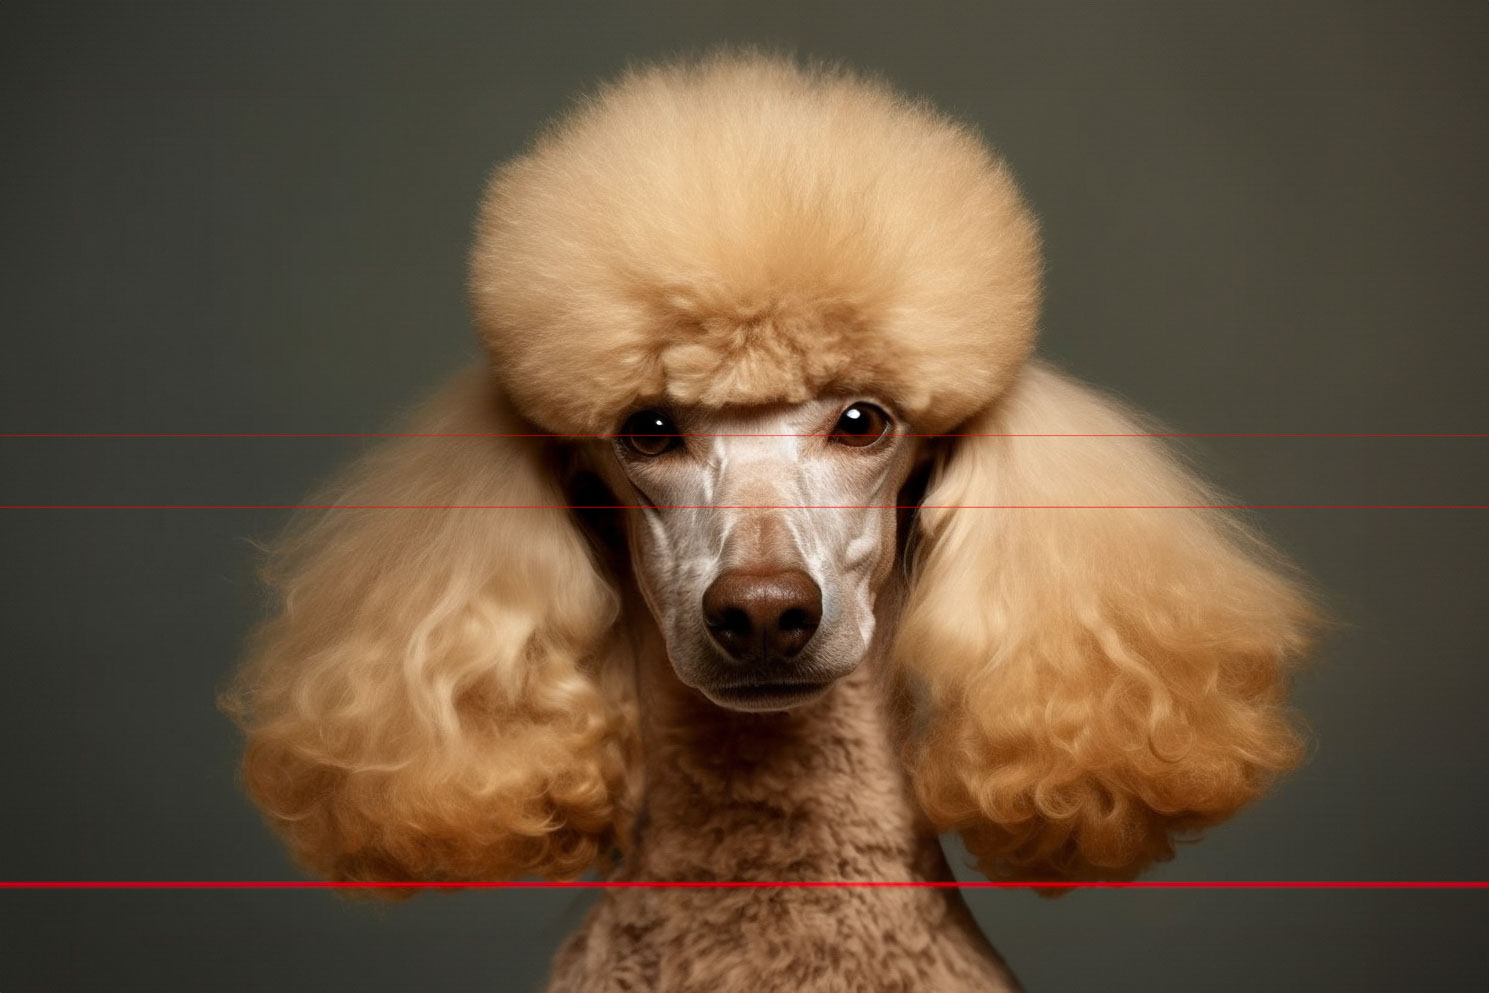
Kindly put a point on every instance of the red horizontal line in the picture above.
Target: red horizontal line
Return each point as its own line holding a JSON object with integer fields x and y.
{"x": 744, "y": 884}
{"x": 988, "y": 506}
{"x": 1164, "y": 434}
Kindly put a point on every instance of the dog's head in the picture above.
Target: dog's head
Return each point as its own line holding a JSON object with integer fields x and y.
{"x": 754, "y": 300}
{"x": 768, "y": 285}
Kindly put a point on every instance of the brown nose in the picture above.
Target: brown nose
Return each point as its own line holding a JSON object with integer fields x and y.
{"x": 754, "y": 617}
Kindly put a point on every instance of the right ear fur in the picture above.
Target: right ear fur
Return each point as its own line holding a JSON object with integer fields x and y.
{"x": 427, "y": 702}
{"x": 1106, "y": 654}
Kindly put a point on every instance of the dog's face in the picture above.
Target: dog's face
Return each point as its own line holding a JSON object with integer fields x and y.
{"x": 761, "y": 537}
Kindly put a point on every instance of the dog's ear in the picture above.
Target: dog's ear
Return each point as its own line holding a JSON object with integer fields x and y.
{"x": 430, "y": 699}
{"x": 1098, "y": 679}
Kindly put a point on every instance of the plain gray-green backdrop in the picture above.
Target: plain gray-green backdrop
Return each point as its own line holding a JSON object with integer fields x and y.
{"x": 252, "y": 217}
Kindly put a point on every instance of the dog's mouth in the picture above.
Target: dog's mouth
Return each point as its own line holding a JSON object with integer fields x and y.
{"x": 767, "y": 695}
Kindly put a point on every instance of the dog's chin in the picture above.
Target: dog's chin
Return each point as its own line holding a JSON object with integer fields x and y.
{"x": 766, "y": 696}
{"x": 771, "y": 684}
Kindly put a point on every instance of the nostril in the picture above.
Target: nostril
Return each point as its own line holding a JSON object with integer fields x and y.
{"x": 797, "y": 619}
{"x": 731, "y": 621}
{"x": 794, "y": 628}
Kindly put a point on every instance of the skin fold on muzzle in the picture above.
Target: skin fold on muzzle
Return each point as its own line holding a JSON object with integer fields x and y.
{"x": 760, "y": 538}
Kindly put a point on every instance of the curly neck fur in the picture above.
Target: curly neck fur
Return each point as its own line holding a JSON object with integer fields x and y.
{"x": 812, "y": 794}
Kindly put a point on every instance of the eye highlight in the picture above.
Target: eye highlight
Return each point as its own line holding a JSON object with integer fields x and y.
{"x": 649, "y": 433}
{"x": 860, "y": 426}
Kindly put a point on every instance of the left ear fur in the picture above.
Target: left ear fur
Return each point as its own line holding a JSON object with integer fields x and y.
{"x": 1099, "y": 679}
{"x": 440, "y": 693}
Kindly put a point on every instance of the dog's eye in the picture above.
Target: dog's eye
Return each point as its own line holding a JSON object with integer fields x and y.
{"x": 860, "y": 426}
{"x": 649, "y": 432}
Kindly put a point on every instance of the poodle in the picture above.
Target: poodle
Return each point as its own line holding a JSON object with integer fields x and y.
{"x": 762, "y": 549}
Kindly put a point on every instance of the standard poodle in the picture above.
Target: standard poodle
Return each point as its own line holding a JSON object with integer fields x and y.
{"x": 762, "y": 549}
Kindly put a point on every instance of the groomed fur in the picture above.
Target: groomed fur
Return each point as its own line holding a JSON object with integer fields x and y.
{"x": 425, "y": 704}
{"x": 1100, "y": 678}
{"x": 741, "y": 230}
{"x": 441, "y": 693}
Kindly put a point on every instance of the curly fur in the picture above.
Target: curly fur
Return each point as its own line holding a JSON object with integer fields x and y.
{"x": 426, "y": 705}
{"x": 452, "y": 694}
{"x": 1100, "y": 679}
{"x": 742, "y": 231}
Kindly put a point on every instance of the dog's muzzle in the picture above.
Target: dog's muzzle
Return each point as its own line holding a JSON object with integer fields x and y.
{"x": 760, "y": 623}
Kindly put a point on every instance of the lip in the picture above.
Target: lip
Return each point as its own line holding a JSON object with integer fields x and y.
{"x": 766, "y": 696}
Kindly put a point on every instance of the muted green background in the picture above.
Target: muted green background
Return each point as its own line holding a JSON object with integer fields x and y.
{"x": 1260, "y": 217}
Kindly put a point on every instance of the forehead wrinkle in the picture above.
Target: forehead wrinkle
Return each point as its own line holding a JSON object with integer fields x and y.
{"x": 776, "y": 458}
{"x": 717, "y": 462}
{"x": 755, "y": 463}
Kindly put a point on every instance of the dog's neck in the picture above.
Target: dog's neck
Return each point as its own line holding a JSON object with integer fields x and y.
{"x": 814, "y": 793}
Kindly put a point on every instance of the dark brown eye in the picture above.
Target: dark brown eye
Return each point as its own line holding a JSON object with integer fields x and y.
{"x": 860, "y": 426}
{"x": 649, "y": 432}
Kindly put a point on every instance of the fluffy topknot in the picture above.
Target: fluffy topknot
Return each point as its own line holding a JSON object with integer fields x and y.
{"x": 745, "y": 230}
